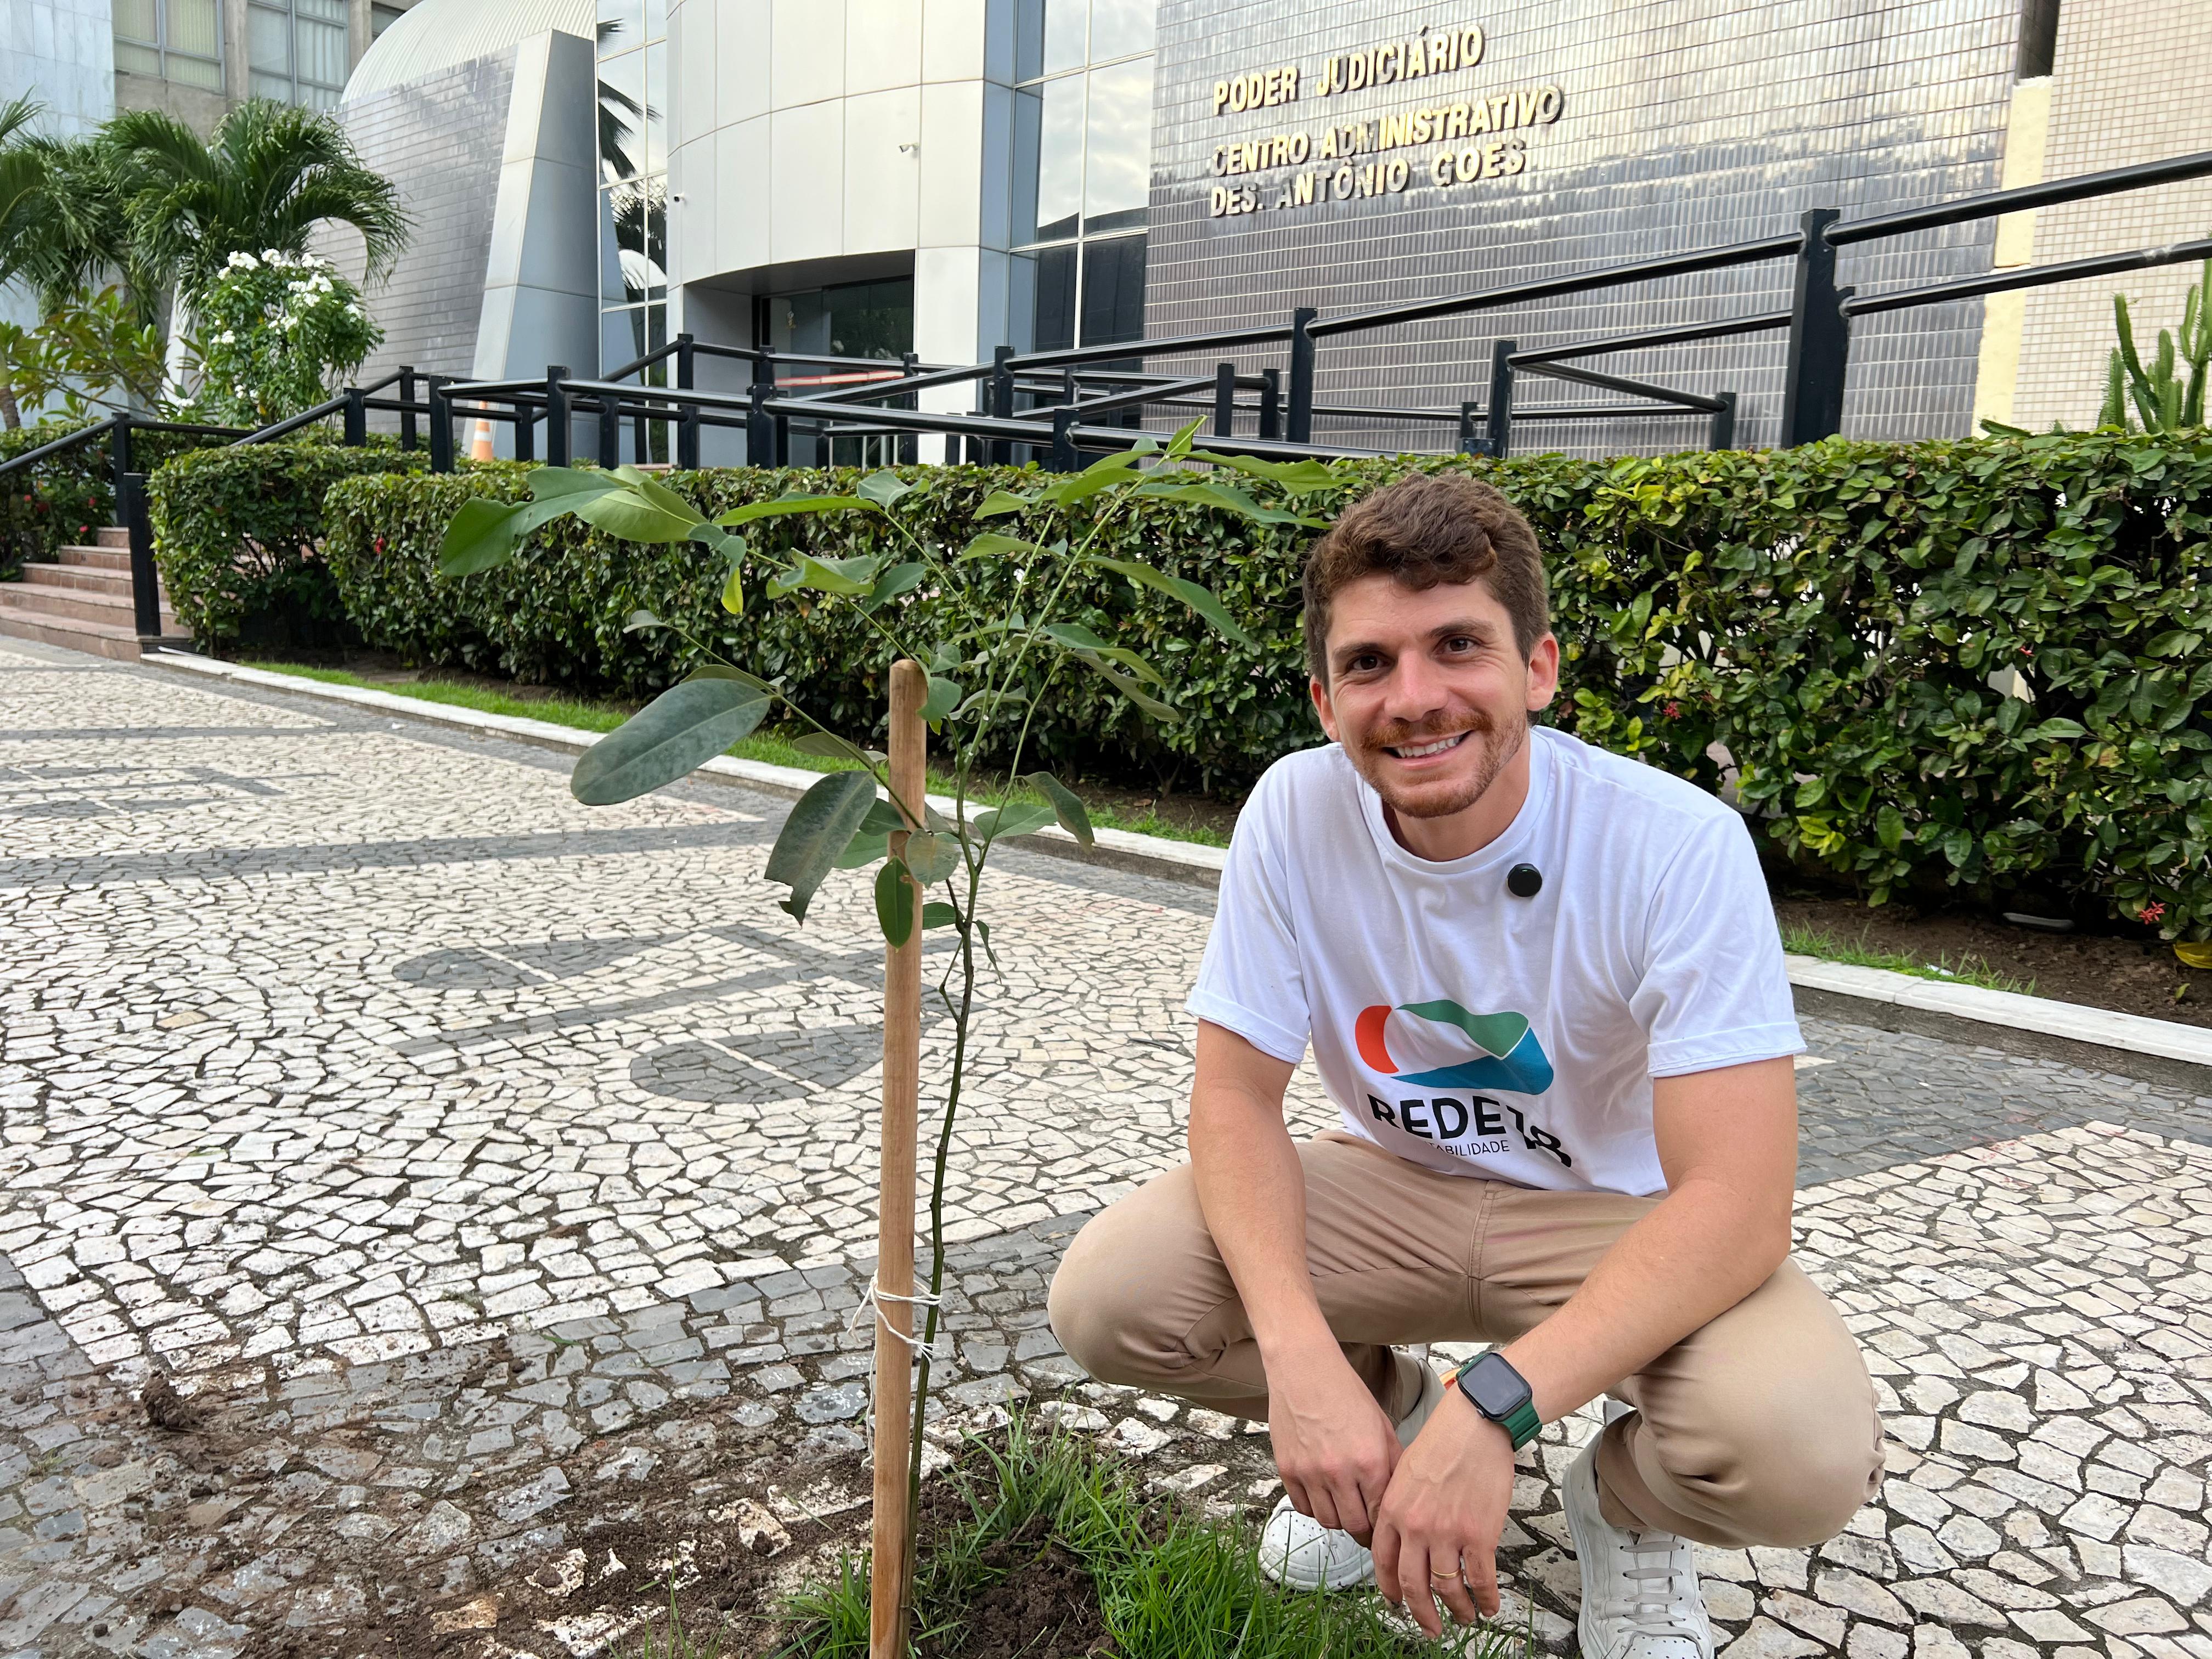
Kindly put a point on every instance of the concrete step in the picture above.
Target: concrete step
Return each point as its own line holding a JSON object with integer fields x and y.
{"x": 119, "y": 643}
{"x": 85, "y": 605}
{"x": 94, "y": 577}
{"x": 113, "y": 536}
{"x": 96, "y": 558}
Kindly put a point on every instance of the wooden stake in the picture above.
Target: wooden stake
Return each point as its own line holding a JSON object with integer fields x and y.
{"x": 893, "y": 1542}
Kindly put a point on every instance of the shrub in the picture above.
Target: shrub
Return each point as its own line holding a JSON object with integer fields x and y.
{"x": 63, "y": 498}
{"x": 1975, "y": 665}
{"x": 238, "y": 535}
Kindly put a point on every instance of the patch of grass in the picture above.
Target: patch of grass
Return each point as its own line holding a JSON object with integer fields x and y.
{"x": 556, "y": 711}
{"x": 770, "y": 747}
{"x": 1168, "y": 1585}
{"x": 1800, "y": 940}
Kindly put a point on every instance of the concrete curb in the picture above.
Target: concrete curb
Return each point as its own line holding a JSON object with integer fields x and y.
{"x": 2068, "y": 1022}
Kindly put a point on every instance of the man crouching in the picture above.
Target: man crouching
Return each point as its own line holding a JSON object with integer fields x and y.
{"x": 1544, "y": 985}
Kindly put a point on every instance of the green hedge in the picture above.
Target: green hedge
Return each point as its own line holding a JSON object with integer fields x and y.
{"x": 1831, "y": 617}
{"x": 65, "y": 498}
{"x": 238, "y": 535}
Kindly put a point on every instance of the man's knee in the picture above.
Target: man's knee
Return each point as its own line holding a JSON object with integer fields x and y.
{"x": 1788, "y": 1469}
{"x": 1103, "y": 1306}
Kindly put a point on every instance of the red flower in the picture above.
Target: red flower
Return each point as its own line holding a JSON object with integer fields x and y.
{"x": 1672, "y": 711}
{"x": 2151, "y": 912}
{"x": 379, "y": 544}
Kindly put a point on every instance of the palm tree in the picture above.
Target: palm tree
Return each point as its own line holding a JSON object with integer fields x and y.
{"x": 269, "y": 174}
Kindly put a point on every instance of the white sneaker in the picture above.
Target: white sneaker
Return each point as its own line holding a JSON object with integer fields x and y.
{"x": 1640, "y": 1595}
{"x": 1300, "y": 1553}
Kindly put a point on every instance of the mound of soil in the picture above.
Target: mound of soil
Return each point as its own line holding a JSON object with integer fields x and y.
{"x": 1045, "y": 1606}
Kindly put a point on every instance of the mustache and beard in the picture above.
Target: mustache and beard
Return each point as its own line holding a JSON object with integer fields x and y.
{"x": 1494, "y": 748}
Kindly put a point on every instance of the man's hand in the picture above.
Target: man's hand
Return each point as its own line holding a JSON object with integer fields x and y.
{"x": 1333, "y": 1446}
{"x": 1442, "y": 1514}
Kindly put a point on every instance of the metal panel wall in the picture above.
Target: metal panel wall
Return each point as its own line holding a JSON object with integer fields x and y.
{"x": 1682, "y": 123}
{"x": 441, "y": 141}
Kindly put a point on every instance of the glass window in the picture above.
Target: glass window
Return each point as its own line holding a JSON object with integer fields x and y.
{"x": 1114, "y": 290}
{"x": 1052, "y": 270}
{"x": 656, "y": 107}
{"x": 296, "y": 51}
{"x": 382, "y": 17}
{"x": 176, "y": 39}
{"x": 1117, "y": 163}
{"x": 621, "y": 116}
{"x": 621, "y": 25}
{"x": 1121, "y": 28}
{"x": 1048, "y": 159}
{"x": 1048, "y": 37}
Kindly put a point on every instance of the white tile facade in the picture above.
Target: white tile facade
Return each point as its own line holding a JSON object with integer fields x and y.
{"x": 812, "y": 130}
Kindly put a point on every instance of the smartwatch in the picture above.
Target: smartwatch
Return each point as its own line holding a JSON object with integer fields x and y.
{"x": 1501, "y": 1394}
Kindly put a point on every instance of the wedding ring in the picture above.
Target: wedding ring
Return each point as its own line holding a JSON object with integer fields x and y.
{"x": 1459, "y": 1571}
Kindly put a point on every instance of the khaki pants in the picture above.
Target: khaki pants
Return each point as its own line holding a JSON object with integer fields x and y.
{"x": 1759, "y": 1428}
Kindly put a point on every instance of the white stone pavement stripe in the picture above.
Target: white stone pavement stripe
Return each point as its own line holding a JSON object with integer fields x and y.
{"x": 2132, "y": 1033}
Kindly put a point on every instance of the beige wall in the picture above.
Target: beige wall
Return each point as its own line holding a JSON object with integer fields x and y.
{"x": 2131, "y": 82}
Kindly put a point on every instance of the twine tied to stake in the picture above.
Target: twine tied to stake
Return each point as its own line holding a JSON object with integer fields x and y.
{"x": 875, "y": 1296}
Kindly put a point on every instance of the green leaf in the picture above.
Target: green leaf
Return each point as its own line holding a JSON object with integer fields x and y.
{"x": 999, "y": 501}
{"x": 1226, "y": 499}
{"x": 1075, "y": 637}
{"x": 796, "y": 503}
{"x": 679, "y": 731}
{"x": 931, "y": 856}
{"x": 1067, "y": 806}
{"x": 983, "y": 932}
{"x": 1300, "y": 477}
{"x": 723, "y": 671}
{"x": 938, "y": 914}
{"x": 1128, "y": 688}
{"x": 991, "y": 542}
{"x": 1179, "y": 446}
{"x": 481, "y": 536}
{"x": 850, "y": 578}
{"x": 1889, "y": 826}
{"x": 484, "y": 534}
{"x": 820, "y": 828}
{"x": 549, "y": 482}
{"x": 659, "y": 495}
{"x": 882, "y": 487}
{"x": 734, "y": 589}
{"x": 944, "y": 697}
{"x": 1198, "y": 598}
{"x": 639, "y": 620}
{"x": 1021, "y": 817}
{"x": 883, "y": 819}
{"x": 894, "y": 904}
{"x": 625, "y": 514}
{"x": 899, "y": 578}
{"x": 863, "y": 850}
{"x": 830, "y": 746}
{"x": 2058, "y": 728}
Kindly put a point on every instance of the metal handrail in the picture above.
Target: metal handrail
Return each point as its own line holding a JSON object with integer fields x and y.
{"x": 2021, "y": 198}
{"x": 1550, "y": 287}
{"x": 2102, "y": 264}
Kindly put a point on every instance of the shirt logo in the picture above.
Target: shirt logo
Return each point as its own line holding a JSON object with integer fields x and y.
{"x": 1440, "y": 1045}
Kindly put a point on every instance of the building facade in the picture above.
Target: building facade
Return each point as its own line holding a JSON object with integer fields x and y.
{"x": 937, "y": 178}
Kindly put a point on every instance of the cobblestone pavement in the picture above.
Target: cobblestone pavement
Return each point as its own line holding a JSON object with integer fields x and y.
{"x": 476, "y": 1164}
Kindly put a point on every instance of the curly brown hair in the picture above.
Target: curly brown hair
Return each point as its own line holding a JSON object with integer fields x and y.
{"x": 1423, "y": 531}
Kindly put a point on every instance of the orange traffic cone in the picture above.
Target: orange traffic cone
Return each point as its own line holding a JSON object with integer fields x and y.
{"x": 481, "y": 450}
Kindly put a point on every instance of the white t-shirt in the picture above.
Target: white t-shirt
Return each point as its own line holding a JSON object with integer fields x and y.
{"x": 1478, "y": 1033}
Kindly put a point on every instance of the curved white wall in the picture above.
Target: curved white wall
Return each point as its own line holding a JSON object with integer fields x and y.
{"x": 785, "y": 133}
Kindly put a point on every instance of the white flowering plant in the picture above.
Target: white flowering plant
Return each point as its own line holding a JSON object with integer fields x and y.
{"x": 276, "y": 332}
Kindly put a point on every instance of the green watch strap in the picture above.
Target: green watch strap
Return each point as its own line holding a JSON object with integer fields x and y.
{"x": 1522, "y": 1423}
